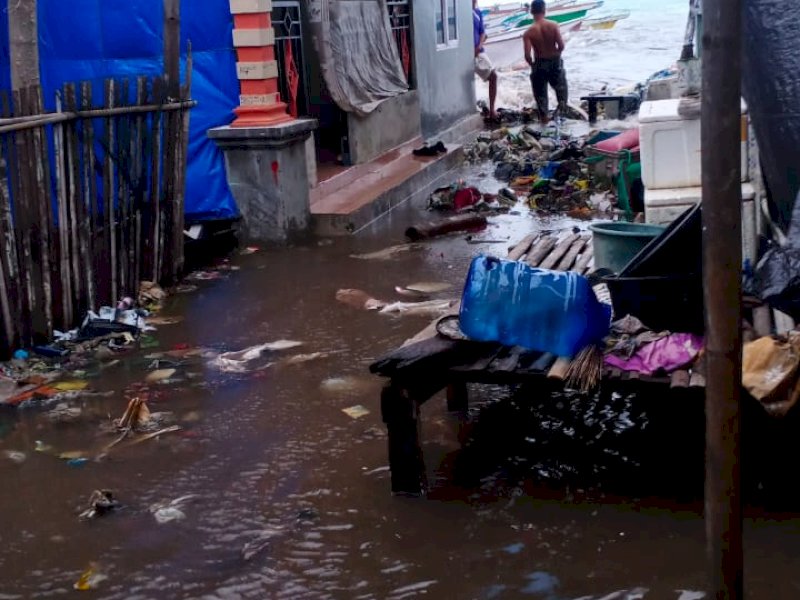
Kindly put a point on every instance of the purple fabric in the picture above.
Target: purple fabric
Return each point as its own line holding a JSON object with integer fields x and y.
{"x": 667, "y": 354}
{"x": 478, "y": 26}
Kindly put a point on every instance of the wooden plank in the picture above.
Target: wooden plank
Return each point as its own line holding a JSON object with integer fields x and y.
{"x": 540, "y": 250}
{"x": 698, "y": 378}
{"x": 522, "y": 247}
{"x": 583, "y": 262}
{"x": 558, "y": 253}
{"x": 507, "y": 362}
{"x": 544, "y": 363}
{"x": 481, "y": 363}
{"x": 434, "y": 356}
{"x": 680, "y": 379}
{"x": 569, "y": 258}
{"x": 559, "y": 368}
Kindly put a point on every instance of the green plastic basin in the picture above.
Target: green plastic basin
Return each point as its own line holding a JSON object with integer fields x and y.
{"x": 616, "y": 243}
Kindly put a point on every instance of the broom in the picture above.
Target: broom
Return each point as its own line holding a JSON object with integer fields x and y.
{"x": 586, "y": 370}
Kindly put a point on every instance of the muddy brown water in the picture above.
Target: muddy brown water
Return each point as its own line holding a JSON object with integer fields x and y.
{"x": 559, "y": 499}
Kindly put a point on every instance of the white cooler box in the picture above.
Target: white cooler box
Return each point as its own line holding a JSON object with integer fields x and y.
{"x": 670, "y": 146}
{"x": 662, "y": 207}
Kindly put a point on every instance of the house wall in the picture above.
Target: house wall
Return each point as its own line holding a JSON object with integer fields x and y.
{"x": 395, "y": 122}
{"x": 445, "y": 77}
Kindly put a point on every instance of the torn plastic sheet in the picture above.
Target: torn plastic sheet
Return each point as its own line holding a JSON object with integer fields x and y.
{"x": 771, "y": 61}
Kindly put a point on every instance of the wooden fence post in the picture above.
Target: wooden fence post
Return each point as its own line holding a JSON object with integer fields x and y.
{"x": 23, "y": 37}
{"x": 722, "y": 268}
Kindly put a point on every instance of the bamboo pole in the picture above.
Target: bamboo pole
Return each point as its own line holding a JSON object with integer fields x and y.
{"x": 45, "y": 214}
{"x": 155, "y": 187}
{"x": 64, "y": 219}
{"x": 722, "y": 263}
{"x": 172, "y": 48}
{"x": 27, "y": 225}
{"x": 32, "y": 122}
{"x": 23, "y": 43}
{"x": 139, "y": 147}
{"x": 122, "y": 166}
{"x": 109, "y": 207}
{"x": 19, "y": 183}
{"x": 89, "y": 225}
{"x": 8, "y": 251}
{"x": 5, "y": 281}
{"x": 74, "y": 201}
{"x": 180, "y": 170}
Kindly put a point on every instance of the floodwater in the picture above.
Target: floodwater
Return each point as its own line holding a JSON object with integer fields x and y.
{"x": 532, "y": 496}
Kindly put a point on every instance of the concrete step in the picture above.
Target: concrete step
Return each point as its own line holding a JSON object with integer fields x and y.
{"x": 351, "y": 200}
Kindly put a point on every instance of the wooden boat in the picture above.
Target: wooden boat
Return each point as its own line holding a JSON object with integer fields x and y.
{"x": 607, "y": 21}
{"x": 563, "y": 13}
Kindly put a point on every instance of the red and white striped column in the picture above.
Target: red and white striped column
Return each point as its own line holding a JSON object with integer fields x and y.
{"x": 254, "y": 39}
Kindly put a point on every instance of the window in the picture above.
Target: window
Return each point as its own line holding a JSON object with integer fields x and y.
{"x": 446, "y": 23}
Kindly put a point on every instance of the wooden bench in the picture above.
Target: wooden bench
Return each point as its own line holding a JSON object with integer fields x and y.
{"x": 429, "y": 363}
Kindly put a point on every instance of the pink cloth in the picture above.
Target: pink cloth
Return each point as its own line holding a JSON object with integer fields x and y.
{"x": 667, "y": 354}
{"x": 627, "y": 140}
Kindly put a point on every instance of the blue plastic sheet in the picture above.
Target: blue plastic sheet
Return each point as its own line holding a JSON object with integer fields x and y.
{"x": 91, "y": 40}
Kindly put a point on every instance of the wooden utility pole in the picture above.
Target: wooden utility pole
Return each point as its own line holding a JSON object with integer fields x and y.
{"x": 172, "y": 47}
{"x": 722, "y": 267}
{"x": 23, "y": 37}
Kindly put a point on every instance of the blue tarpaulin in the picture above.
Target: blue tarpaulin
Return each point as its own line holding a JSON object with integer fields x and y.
{"x": 91, "y": 40}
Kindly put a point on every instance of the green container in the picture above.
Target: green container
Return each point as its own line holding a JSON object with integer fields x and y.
{"x": 616, "y": 243}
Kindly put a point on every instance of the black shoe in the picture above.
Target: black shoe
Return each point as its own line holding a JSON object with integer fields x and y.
{"x": 426, "y": 151}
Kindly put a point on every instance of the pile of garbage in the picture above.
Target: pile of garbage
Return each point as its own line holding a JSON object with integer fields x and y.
{"x": 459, "y": 197}
{"x": 547, "y": 166}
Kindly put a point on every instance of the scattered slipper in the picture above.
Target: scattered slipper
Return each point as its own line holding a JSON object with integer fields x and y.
{"x": 437, "y": 148}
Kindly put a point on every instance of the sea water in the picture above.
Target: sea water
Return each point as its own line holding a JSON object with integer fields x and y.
{"x": 649, "y": 40}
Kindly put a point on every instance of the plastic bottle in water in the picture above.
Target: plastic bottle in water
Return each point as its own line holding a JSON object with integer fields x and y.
{"x": 517, "y": 305}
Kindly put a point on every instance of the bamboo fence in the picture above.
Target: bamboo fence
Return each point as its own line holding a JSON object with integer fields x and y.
{"x": 91, "y": 200}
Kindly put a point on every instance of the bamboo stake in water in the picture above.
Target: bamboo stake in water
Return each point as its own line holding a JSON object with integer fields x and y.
{"x": 89, "y": 225}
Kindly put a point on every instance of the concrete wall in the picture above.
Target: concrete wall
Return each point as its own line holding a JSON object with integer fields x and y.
{"x": 394, "y": 122}
{"x": 445, "y": 77}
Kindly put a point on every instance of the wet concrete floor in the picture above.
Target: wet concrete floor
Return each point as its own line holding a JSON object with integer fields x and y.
{"x": 552, "y": 498}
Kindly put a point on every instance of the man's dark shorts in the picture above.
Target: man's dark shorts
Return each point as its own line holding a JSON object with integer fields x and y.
{"x": 549, "y": 71}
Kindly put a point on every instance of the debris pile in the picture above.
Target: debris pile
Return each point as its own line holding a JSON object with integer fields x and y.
{"x": 556, "y": 171}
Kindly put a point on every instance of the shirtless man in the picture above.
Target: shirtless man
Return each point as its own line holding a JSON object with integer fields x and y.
{"x": 544, "y": 38}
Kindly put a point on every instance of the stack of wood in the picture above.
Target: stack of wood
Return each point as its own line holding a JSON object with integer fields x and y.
{"x": 565, "y": 252}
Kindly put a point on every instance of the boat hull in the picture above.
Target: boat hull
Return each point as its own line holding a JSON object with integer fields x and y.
{"x": 507, "y": 49}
